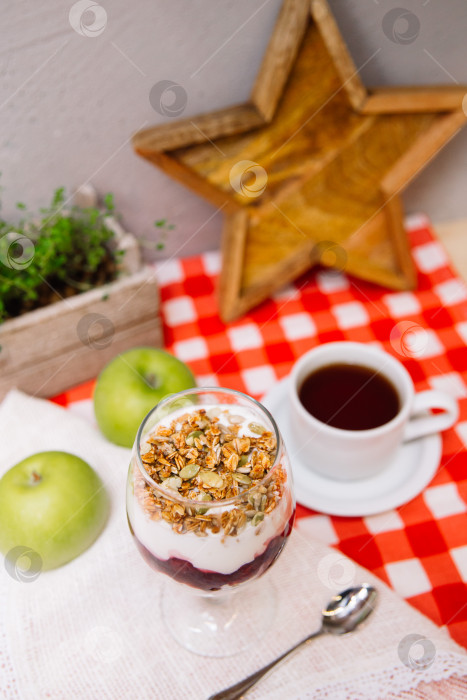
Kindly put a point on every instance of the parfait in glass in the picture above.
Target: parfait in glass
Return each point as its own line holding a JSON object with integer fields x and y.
{"x": 210, "y": 504}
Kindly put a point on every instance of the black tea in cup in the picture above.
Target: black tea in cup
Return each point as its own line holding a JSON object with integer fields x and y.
{"x": 349, "y": 396}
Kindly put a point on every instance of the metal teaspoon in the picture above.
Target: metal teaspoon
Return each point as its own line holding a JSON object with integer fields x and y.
{"x": 343, "y": 614}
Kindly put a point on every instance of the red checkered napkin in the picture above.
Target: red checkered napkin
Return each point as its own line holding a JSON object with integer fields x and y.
{"x": 420, "y": 549}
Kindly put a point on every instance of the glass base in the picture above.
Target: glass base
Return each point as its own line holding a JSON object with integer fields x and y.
{"x": 221, "y": 623}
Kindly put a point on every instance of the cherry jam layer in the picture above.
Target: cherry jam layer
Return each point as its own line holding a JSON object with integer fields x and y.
{"x": 184, "y": 572}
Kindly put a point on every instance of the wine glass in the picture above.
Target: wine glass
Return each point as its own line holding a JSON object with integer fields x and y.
{"x": 210, "y": 504}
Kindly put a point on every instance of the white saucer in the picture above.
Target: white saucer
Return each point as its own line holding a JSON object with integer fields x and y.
{"x": 413, "y": 468}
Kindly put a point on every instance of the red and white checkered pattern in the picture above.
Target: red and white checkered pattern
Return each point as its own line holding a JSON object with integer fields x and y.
{"x": 420, "y": 549}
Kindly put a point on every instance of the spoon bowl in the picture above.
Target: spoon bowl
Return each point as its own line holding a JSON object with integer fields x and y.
{"x": 348, "y": 609}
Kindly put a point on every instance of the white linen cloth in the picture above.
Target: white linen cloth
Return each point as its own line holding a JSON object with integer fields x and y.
{"x": 92, "y": 629}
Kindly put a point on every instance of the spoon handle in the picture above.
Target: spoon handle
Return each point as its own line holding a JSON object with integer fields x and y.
{"x": 237, "y": 690}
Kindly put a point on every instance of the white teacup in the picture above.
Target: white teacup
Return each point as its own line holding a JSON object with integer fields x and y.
{"x": 355, "y": 454}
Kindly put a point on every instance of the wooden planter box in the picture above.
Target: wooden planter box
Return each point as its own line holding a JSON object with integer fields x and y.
{"x": 48, "y": 350}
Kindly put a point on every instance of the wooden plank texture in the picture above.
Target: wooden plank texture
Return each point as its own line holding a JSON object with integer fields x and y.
{"x": 280, "y": 56}
{"x": 197, "y": 129}
{"x": 343, "y": 62}
{"x": 389, "y": 100}
{"x": 421, "y": 151}
{"x": 45, "y": 347}
{"x": 233, "y": 251}
{"x": 53, "y": 375}
{"x": 46, "y": 333}
{"x": 178, "y": 170}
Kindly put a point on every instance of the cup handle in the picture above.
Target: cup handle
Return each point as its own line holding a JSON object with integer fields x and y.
{"x": 420, "y": 425}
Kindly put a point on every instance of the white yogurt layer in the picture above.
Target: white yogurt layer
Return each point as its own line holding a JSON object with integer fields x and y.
{"x": 216, "y": 552}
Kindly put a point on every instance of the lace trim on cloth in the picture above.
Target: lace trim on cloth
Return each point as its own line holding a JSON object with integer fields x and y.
{"x": 448, "y": 683}
{"x": 452, "y": 689}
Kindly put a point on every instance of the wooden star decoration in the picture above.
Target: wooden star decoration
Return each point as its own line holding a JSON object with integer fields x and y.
{"x": 310, "y": 169}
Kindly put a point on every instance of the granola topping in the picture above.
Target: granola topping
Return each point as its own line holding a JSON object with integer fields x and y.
{"x": 205, "y": 455}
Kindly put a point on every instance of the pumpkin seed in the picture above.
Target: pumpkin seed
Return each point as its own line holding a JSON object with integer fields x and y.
{"x": 256, "y": 428}
{"x": 257, "y": 501}
{"x": 190, "y": 439}
{"x": 257, "y": 518}
{"x": 173, "y": 482}
{"x": 203, "y": 497}
{"x": 189, "y": 471}
{"x": 241, "y": 478}
{"x": 211, "y": 480}
{"x": 243, "y": 460}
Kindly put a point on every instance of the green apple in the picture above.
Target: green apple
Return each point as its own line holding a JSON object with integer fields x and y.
{"x": 52, "y": 503}
{"x": 131, "y": 385}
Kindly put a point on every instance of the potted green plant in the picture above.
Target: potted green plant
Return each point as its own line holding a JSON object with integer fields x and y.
{"x": 73, "y": 293}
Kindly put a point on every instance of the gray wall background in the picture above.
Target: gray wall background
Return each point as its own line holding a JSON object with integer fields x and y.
{"x": 69, "y": 102}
